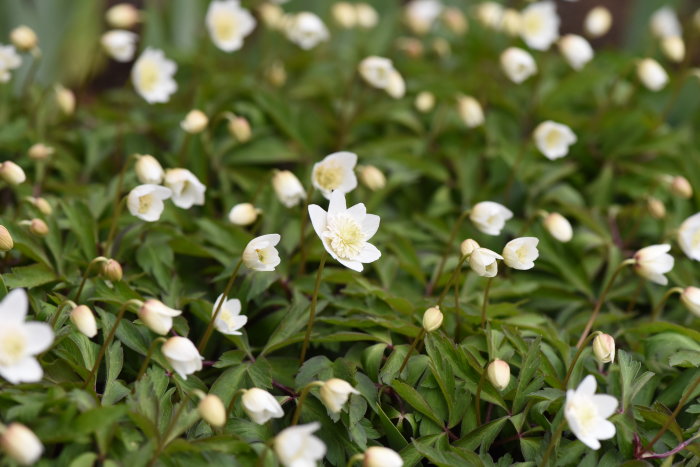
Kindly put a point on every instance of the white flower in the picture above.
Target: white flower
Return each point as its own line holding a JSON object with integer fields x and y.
{"x": 664, "y": 23}
{"x": 9, "y": 60}
{"x": 336, "y": 172}
{"x": 260, "y": 254}
{"x": 229, "y": 319}
{"x": 243, "y": 214}
{"x": 490, "y": 14}
{"x": 598, "y": 21}
{"x": 306, "y": 30}
{"x": 470, "y": 111}
{"x": 521, "y": 253}
{"x": 539, "y": 25}
{"x": 553, "y": 139}
{"x": 297, "y": 447}
{"x": 378, "y": 456}
{"x": 396, "y": 87}
{"x": 120, "y": 44}
{"x": 345, "y": 232}
{"x": 421, "y": 14}
{"x": 689, "y": 237}
{"x": 146, "y": 201}
{"x": 518, "y": 64}
{"x": 187, "y": 189}
{"x": 651, "y": 74}
{"x": 182, "y": 356}
{"x": 691, "y": 299}
{"x": 586, "y": 412}
{"x": 212, "y": 410}
{"x": 152, "y": 76}
{"x": 261, "y": 406}
{"x": 148, "y": 170}
{"x": 490, "y": 217}
{"x": 484, "y": 262}
{"x": 228, "y": 24}
{"x": 335, "y": 393}
{"x": 20, "y": 341}
{"x": 195, "y": 122}
{"x": 288, "y": 188}
{"x": 376, "y": 71}
{"x": 653, "y": 262}
{"x": 157, "y": 316}
{"x": 576, "y": 50}
{"x": 21, "y": 444}
{"x": 559, "y": 227}
{"x": 367, "y": 16}
{"x": 84, "y": 320}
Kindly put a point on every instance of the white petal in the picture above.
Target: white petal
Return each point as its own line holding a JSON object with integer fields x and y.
{"x": 370, "y": 225}
{"x": 26, "y": 370}
{"x": 606, "y": 405}
{"x": 337, "y": 203}
{"x": 604, "y": 429}
{"x": 39, "y": 337}
{"x": 318, "y": 218}
{"x": 271, "y": 239}
{"x": 587, "y": 386}
{"x": 14, "y": 306}
{"x": 590, "y": 441}
{"x": 347, "y": 159}
{"x": 358, "y": 212}
{"x": 354, "y": 265}
{"x": 368, "y": 254}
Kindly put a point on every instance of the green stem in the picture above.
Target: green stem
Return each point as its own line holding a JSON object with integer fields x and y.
{"x": 355, "y": 458}
{"x": 234, "y": 398}
{"x": 99, "y": 259}
{"x": 656, "y": 313}
{"x": 118, "y": 201}
{"x": 147, "y": 360}
{"x": 458, "y": 311}
{"x": 578, "y": 353}
{"x": 443, "y": 260}
{"x": 227, "y": 290}
{"x": 302, "y": 230}
{"x": 57, "y": 313}
{"x": 552, "y": 442}
{"x": 312, "y": 311}
{"x": 477, "y": 396}
{"x": 485, "y": 304}
{"x": 452, "y": 279}
{"x": 173, "y": 421}
{"x": 183, "y": 149}
{"x": 302, "y": 397}
{"x": 410, "y": 349}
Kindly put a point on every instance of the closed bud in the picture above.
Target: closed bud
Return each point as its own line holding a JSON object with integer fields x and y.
{"x": 510, "y": 23}
{"x": 40, "y": 151}
{"x": 21, "y": 444}
{"x": 455, "y": 20}
{"x": 410, "y": 46}
{"x": 425, "y": 101}
{"x": 597, "y": 22}
{"x": 212, "y": 410}
{"x": 371, "y": 177}
{"x": 498, "y": 372}
{"x": 367, "y": 16}
{"x": 195, "y": 122}
{"x": 432, "y": 319}
{"x": 344, "y": 14}
{"x": 576, "y": 50}
{"x": 271, "y": 15}
{"x": 690, "y": 297}
{"x": 65, "y": 99}
{"x": 148, "y": 170}
{"x": 656, "y": 208}
{"x": 6, "y": 242}
{"x": 24, "y": 38}
{"x": 243, "y": 214}
{"x": 470, "y": 111}
{"x": 112, "y": 270}
{"x": 288, "y": 188}
{"x": 276, "y": 75}
{"x": 123, "y": 16}
{"x": 674, "y": 48}
{"x": 652, "y": 74}
{"x": 84, "y": 320}
{"x": 604, "y": 348}
{"x": 335, "y": 393}
{"x": 378, "y": 456}
{"x": 38, "y": 227}
{"x": 41, "y": 204}
{"x": 680, "y": 186}
{"x": 12, "y": 173}
{"x": 468, "y": 246}
{"x": 240, "y": 129}
{"x": 559, "y": 227}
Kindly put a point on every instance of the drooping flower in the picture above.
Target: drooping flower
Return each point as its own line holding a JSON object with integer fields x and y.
{"x": 146, "y": 201}
{"x": 260, "y": 254}
{"x": 559, "y": 227}
{"x": 296, "y": 446}
{"x": 490, "y": 217}
{"x": 553, "y": 139}
{"x": 539, "y": 25}
{"x": 484, "y": 262}
{"x": 288, "y": 188}
{"x": 261, "y": 406}
{"x": 230, "y": 319}
{"x": 587, "y": 413}
{"x": 9, "y": 60}
{"x": 120, "y": 44}
{"x": 518, "y": 64}
{"x": 228, "y": 24}
{"x": 336, "y": 172}
{"x": 335, "y": 393}
{"x": 157, "y": 316}
{"x": 306, "y": 30}
{"x": 653, "y": 262}
{"x": 21, "y": 444}
{"x": 345, "y": 231}
{"x": 182, "y": 356}
{"x": 576, "y": 50}
{"x": 187, "y": 190}
{"x": 20, "y": 341}
{"x": 521, "y": 253}
{"x": 152, "y": 76}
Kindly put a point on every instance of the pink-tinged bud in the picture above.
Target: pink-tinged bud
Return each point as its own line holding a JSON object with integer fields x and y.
{"x": 498, "y": 372}
{"x": 112, "y": 270}
{"x": 6, "y": 242}
{"x": 84, "y": 320}
{"x": 680, "y": 186}
{"x": 21, "y": 444}
{"x": 38, "y": 227}
{"x": 604, "y": 348}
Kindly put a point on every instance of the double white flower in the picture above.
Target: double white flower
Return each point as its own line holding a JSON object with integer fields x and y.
{"x": 587, "y": 413}
{"x": 689, "y": 236}
{"x": 336, "y": 172}
{"x": 152, "y": 76}
{"x": 186, "y": 188}
{"x": 229, "y": 320}
{"x": 539, "y": 25}
{"x": 296, "y": 446}
{"x": 345, "y": 231}
{"x": 653, "y": 262}
{"x": 146, "y": 201}
{"x": 228, "y": 24}
{"x": 553, "y": 139}
{"x": 490, "y": 217}
{"x": 260, "y": 254}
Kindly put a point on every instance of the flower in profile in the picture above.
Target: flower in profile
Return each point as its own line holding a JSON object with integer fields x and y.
{"x": 490, "y": 217}
{"x": 296, "y": 446}
{"x": 12, "y": 173}
{"x": 148, "y": 170}
{"x": 228, "y": 24}
{"x": 288, "y": 188}
{"x": 146, "y": 201}
{"x": 230, "y": 319}
{"x": 664, "y": 23}
{"x": 378, "y": 456}
{"x": 21, "y": 444}
{"x": 518, "y": 64}
{"x": 243, "y": 214}
{"x": 152, "y": 76}
{"x": 553, "y": 139}
{"x": 539, "y": 25}
{"x": 306, "y": 30}
{"x": 9, "y": 60}
{"x": 120, "y": 44}
{"x": 261, "y": 406}
{"x": 587, "y": 413}
{"x": 336, "y": 172}
{"x": 195, "y": 122}
{"x": 335, "y": 393}
{"x": 597, "y": 22}
{"x": 653, "y": 262}
{"x": 521, "y": 253}
{"x": 559, "y": 227}
{"x": 689, "y": 237}
{"x": 470, "y": 111}
{"x": 651, "y": 74}
{"x": 484, "y": 262}
{"x": 260, "y": 254}
{"x": 690, "y": 297}
{"x": 345, "y": 232}
{"x": 84, "y": 320}
{"x": 576, "y": 50}
{"x": 186, "y": 187}
{"x": 20, "y": 341}
{"x": 182, "y": 356}
{"x": 157, "y": 316}
{"x": 420, "y": 15}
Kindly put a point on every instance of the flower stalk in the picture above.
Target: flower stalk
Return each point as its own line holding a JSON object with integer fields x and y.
{"x": 302, "y": 397}
{"x": 227, "y": 290}
{"x": 443, "y": 260}
{"x": 312, "y": 310}
{"x": 656, "y": 312}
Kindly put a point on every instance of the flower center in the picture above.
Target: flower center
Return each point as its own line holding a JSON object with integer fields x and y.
{"x": 12, "y": 348}
{"x": 522, "y": 253}
{"x": 344, "y": 236}
{"x": 145, "y": 203}
{"x": 225, "y": 26}
{"x": 262, "y": 254}
{"x": 586, "y": 414}
{"x": 533, "y": 24}
{"x": 149, "y": 74}
{"x": 329, "y": 176}
{"x": 695, "y": 239}
{"x": 553, "y": 139}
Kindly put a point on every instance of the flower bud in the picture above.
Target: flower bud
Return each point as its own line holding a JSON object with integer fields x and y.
{"x": 690, "y": 297}
{"x": 470, "y": 111}
{"x": 455, "y": 20}
{"x": 425, "y": 101}
{"x": 335, "y": 393}
{"x": 275, "y": 74}
{"x": 212, "y": 410}
{"x": 410, "y": 46}
{"x": 432, "y": 319}
{"x": 377, "y": 456}
{"x": 559, "y": 227}
{"x": 656, "y": 208}
{"x": 344, "y": 14}
{"x": 604, "y": 348}
{"x": 490, "y": 14}
{"x": 680, "y": 186}
{"x": 157, "y": 316}
{"x": 651, "y": 74}
{"x": 271, "y": 15}
{"x": 38, "y": 227}
{"x": 112, "y": 270}
{"x": 12, "y": 173}
{"x": 41, "y": 204}
{"x": 65, "y": 99}
{"x": 288, "y": 188}
{"x": 576, "y": 50}
{"x": 674, "y": 48}
{"x": 468, "y": 246}
{"x": 6, "y": 242}
{"x": 597, "y": 22}
{"x": 511, "y": 22}
{"x": 260, "y": 405}
{"x": 240, "y": 129}
{"x": 24, "y": 38}
{"x": 498, "y": 372}
{"x": 40, "y": 151}
{"x": 195, "y": 122}
{"x": 21, "y": 444}
{"x": 396, "y": 86}
{"x": 148, "y": 170}
{"x": 243, "y": 214}
{"x": 123, "y": 16}
{"x": 371, "y": 177}
{"x": 84, "y": 320}
{"x": 367, "y": 16}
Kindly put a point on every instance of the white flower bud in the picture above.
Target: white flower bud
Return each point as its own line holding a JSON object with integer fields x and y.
{"x": 6, "y": 242}
{"x": 691, "y": 299}
{"x": 367, "y": 16}
{"x": 680, "y": 186}
{"x": 41, "y": 204}
{"x": 470, "y": 111}
{"x": 674, "y": 48}
{"x": 84, "y": 320}
{"x": 40, "y": 151}
{"x": 559, "y": 227}
{"x": 490, "y": 14}
{"x": 157, "y": 316}
{"x": 195, "y": 122}
{"x": 377, "y": 456}
{"x": 243, "y": 214}
{"x": 518, "y": 64}
{"x": 396, "y": 86}
{"x": 38, "y": 227}
{"x": 498, "y": 372}
{"x": 21, "y": 444}
{"x": 12, "y": 173}
{"x": 651, "y": 74}
{"x": 123, "y": 16}
{"x": 212, "y": 410}
{"x": 261, "y": 406}
{"x": 576, "y": 50}
{"x": 371, "y": 177}
{"x": 484, "y": 262}
{"x": 24, "y": 38}
{"x": 288, "y": 188}
{"x": 455, "y": 20}
{"x": 432, "y": 319}
{"x": 65, "y": 99}
{"x": 425, "y": 101}
{"x": 656, "y": 208}
{"x": 604, "y": 348}
{"x": 597, "y": 22}
{"x": 112, "y": 270}
{"x": 148, "y": 170}
{"x": 240, "y": 129}
{"x": 468, "y": 246}
{"x": 511, "y": 22}
{"x": 182, "y": 356}
{"x": 335, "y": 393}
{"x": 344, "y": 14}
